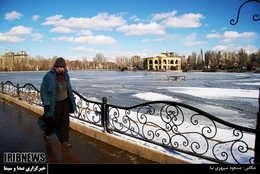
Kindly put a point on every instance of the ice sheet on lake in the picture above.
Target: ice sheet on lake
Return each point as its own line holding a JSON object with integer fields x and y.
{"x": 151, "y": 96}
{"x": 256, "y": 84}
{"x": 216, "y": 93}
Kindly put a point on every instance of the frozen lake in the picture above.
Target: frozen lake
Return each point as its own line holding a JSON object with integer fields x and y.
{"x": 230, "y": 96}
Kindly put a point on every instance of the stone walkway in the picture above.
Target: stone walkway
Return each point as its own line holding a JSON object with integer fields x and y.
{"x": 22, "y": 131}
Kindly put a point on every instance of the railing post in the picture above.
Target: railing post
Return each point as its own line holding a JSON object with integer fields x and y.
{"x": 257, "y": 136}
{"x": 104, "y": 114}
{"x": 18, "y": 92}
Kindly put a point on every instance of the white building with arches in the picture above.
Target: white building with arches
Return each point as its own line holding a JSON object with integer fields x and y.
{"x": 163, "y": 61}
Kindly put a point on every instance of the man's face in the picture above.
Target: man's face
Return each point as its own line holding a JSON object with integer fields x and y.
{"x": 60, "y": 69}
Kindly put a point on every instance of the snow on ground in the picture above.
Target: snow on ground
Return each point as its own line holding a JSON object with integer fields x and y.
{"x": 255, "y": 84}
{"x": 222, "y": 134}
{"x": 151, "y": 96}
{"x": 216, "y": 93}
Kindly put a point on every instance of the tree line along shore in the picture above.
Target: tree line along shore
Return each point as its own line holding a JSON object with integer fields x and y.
{"x": 209, "y": 62}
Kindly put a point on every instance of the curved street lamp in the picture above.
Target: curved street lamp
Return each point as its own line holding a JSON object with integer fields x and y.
{"x": 255, "y": 16}
{"x": 257, "y": 137}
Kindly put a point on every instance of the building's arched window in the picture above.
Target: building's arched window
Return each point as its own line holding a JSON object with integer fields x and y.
{"x": 150, "y": 62}
{"x": 176, "y": 61}
{"x": 171, "y": 61}
{"x": 156, "y": 62}
{"x": 160, "y": 62}
{"x": 164, "y": 61}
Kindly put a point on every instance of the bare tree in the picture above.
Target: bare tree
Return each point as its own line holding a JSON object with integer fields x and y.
{"x": 99, "y": 61}
{"x": 243, "y": 58}
{"x": 136, "y": 61}
{"x": 122, "y": 61}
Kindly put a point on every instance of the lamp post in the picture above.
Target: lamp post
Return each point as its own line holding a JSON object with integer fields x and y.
{"x": 255, "y": 17}
{"x": 257, "y": 137}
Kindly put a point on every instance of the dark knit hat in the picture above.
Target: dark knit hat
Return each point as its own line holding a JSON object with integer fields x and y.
{"x": 60, "y": 62}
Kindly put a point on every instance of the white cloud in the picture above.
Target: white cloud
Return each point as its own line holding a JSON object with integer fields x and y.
{"x": 214, "y": 35}
{"x": 235, "y": 48}
{"x": 235, "y": 34}
{"x": 12, "y": 15}
{"x": 160, "y": 16}
{"x": 191, "y": 40}
{"x": 61, "y": 30}
{"x": 95, "y": 40}
{"x": 249, "y": 48}
{"x": 20, "y": 30}
{"x": 37, "y": 37}
{"x": 229, "y": 36}
{"x": 134, "y": 18}
{"x": 15, "y": 34}
{"x": 170, "y": 19}
{"x": 155, "y": 40}
{"x": 52, "y": 20}
{"x": 35, "y": 17}
{"x": 9, "y": 38}
{"x": 65, "y": 38}
{"x": 85, "y": 32}
{"x": 102, "y": 21}
{"x": 185, "y": 21}
{"x": 84, "y": 49}
{"x": 221, "y": 47}
{"x": 159, "y": 39}
{"x": 141, "y": 29}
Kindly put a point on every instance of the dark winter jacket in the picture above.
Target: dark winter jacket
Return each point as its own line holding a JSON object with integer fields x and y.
{"x": 48, "y": 92}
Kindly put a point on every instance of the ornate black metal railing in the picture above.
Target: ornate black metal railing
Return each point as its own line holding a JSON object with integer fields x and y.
{"x": 185, "y": 129}
{"x": 255, "y": 16}
{"x": 88, "y": 111}
{"x": 27, "y": 92}
{"x": 174, "y": 126}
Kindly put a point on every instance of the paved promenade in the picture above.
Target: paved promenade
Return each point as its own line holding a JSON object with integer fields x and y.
{"x": 22, "y": 131}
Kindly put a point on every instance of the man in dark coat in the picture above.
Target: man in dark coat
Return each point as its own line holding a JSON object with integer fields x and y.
{"x": 58, "y": 100}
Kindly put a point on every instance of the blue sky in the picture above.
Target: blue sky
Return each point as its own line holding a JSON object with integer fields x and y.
{"x": 75, "y": 29}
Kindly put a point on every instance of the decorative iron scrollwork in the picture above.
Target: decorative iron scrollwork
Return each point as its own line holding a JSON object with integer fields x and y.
{"x": 255, "y": 16}
{"x": 177, "y": 127}
{"x": 184, "y": 129}
{"x": 87, "y": 111}
{"x": 9, "y": 88}
{"x": 30, "y": 93}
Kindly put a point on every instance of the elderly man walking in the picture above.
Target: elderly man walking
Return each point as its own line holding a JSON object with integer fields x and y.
{"x": 58, "y": 101}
